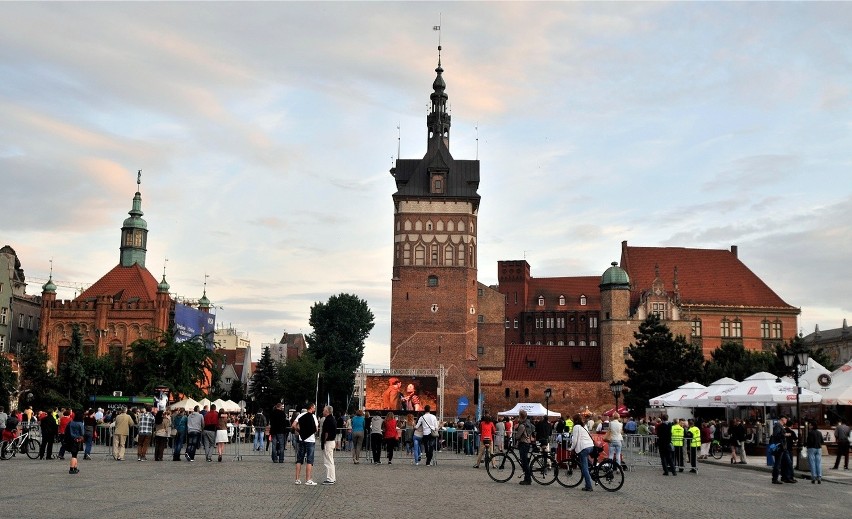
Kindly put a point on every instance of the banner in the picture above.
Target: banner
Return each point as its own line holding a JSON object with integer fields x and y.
{"x": 401, "y": 393}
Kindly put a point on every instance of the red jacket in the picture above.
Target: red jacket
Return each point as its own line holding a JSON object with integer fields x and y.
{"x": 390, "y": 429}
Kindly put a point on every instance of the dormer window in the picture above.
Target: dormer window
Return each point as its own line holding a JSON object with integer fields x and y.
{"x": 540, "y": 300}
{"x": 583, "y": 300}
{"x": 561, "y": 300}
{"x": 437, "y": 186}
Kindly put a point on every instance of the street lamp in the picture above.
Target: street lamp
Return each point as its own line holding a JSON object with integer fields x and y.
{"x": 616, "y": 387}
{"x": 797, "y": 361}
{"x": 547, "y": 394}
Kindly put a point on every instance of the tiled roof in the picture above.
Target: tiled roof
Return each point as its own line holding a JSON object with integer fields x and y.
{"x": 235, "y": 358}
{"x": 705, "y": 276}
{"x": 124, "y": 284}
{"x": 570, "y": 287}
{"x": 552, "y": 363}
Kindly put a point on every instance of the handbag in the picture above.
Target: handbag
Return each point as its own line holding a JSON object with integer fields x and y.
{"x": 608, "y": 436}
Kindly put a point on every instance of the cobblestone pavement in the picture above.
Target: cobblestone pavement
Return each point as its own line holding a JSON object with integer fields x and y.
{"x": 255, "y": 487}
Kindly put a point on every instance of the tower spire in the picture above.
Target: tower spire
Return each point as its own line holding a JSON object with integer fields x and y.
{"x": 438, "y": 120}
{"x": 134, "y": 231}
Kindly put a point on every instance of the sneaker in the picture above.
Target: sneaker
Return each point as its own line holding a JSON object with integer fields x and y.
{"x": 138, "y": 459}
{"x": 191, "y": 460}
{"x": 310, "y": 483}
{"x": 87, "y": 457}
{"x": 417, "y": 463}
{"x": 525, "y": 482}
{"x": 327, "y": 482}
{"x": 298, "y": 481}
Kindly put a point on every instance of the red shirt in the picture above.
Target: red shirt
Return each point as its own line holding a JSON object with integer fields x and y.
{"x": 390, "y": 429}
{"x": 211, "y": 420}
{"x": 487, "y": 430}
{"x": 63, "y": 423}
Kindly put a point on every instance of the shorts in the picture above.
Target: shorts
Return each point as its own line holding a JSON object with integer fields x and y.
{"x": 306, "y": 452}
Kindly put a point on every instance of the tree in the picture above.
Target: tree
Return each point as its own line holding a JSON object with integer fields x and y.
{"x": 658, "y": 363}
{"x": 8, "y": 381}
{"x": 186, "y": 367}
{"x": 734, "y": 361}
{"x": 298, "y": 379}
{"x": 72, "y": 374}
{"x": 265, "y": 390}
{"x": 340, "y": 328}
{"x": 796, "y": 343}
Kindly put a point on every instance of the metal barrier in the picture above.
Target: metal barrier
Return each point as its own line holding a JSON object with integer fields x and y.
{"x": 640, "y": 451}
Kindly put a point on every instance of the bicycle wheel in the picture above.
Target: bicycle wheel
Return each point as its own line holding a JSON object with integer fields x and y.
{"x": 33, "y": 446}
{"x": 500, "y": 468}
{"x": 609, "y": 475}
{"x": 569, "y": 474}
{"x": 716, "y": 450}
{"x": 543, "y": 469}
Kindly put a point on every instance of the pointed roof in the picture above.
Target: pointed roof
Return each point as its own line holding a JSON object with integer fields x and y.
{"x": 570, "y": 287}
{"x": 124, "y": 284}
{"x": 705, "y": 277}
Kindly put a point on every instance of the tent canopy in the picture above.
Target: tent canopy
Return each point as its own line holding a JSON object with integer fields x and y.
{"x": 187, "y": 404}
{"x": 532, "y": 409}
{"x": 810, "y": 378}
{"x": 673, "y": 398}
{"x": 840, "y": 390}
{"x": 705, "y": 398}
{"x": 762, "y": 389}
{"x": 222, "y": 405}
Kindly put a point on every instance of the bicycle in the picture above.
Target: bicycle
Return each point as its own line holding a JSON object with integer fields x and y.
{"x": 24, "y": 443}
{"x": 608, "y": 474}
{"x": 501, "y": 466}
{"x": 716, "y": 449}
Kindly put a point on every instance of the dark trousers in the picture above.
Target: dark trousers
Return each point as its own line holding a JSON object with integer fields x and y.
{"x": 429, "y": 444}
{"x": 192, "y": 439}
{"x": 678, "y": 457}
{"x": 278, "y": 444}
{"x": 782, "y": 466}
{"x": 391, "y": 444}
{"x": 693, "y": 456}
{"x": 842, "y": 452}
{"x": 46, "y": 449}
{"x": 667, "y": 458}
{"x": 524, "y": 449}
{"x": 376, "y": 446}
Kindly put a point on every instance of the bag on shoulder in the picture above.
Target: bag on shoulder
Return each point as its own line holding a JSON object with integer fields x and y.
{"x": 608, "y": 436}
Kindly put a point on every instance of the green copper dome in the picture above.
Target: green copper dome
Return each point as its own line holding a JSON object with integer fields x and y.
{"x": 163, "y": 286}
{"x": 615, "y": 277}
{"x": 204, "y": 302}
{"x": 135, "y": 220}
{"x": 49, "y": 286}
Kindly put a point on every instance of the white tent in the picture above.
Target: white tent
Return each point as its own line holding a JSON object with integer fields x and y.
{"x": 221, "y": 405}
{"x": 532, "y": 409}
{"x": 187, "y": 404}
{"x": 761, "y": 389}
{"x": 674, "y": 398}
{"x": 810, "y": 378}
{"x": 230, "y": 404}
{"x": 707, "y": 396}
{"x": 840, "y": 390}
{"x": 203, "y": 402}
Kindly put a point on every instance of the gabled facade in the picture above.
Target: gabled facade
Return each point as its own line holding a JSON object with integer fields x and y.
{"x": 19, "y": 311}
{"x": 836, "y": 342}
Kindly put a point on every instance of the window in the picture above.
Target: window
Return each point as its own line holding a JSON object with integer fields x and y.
{"x": 659, "y": 309}
{"x": 3, "y": 315}
{"x": 480, "y": 318}
{"x": 507, "y": 392}
{"x": 432, "y": 281}
{"x": 434, "y": 254}
{"x": 406, "y": 254}
{"x": 560, "y": 343}
{"x": 526, "y": 389}
{"x": 736, "y": 328}
{"x": 419, "y": 255}
{"x": 593, "y": 343}
{"x": 228, "y": 380}
{"x": 540, "y": 300}
{"x": 20, "y": 320}
{"x": 515, "y": 324}
{"x": 776, "y": 330}
{"x": 582, "y": 300}
{"x": 448, "y": 255}
{"x": 507, "y": 324}
{"x": 571, "y": 343}
{"x": 137, "y": 239}
{"x": 539, "y": 323}
{"x": 561, "y": 300}
{"x": 725, "y": 328}
{"x": 764, "y": 329}
{"x": 29, "y": 322}
{"x": 696, "y": 328}
{"x": 438, "y": 186}
{"x": 516, "y": 298}
{"x": 593, "y": 322}
{"x": 550, "y": 343}
{"x": 550, "y": 322}
{"x": 480, "y": 350}
{"x": 560, "y": 322}
{"x": 480, "y": 292}
{"x": 582, "y": 343}
{"x": 2, "y": 343}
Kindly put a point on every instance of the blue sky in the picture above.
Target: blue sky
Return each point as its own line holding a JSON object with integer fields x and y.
{"x": 265, "y": 132}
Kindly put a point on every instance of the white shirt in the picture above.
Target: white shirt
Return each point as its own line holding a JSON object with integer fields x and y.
{"x": 580, "y": 439}
{"x": 428, "y": 422}
{"x": 312, "y": 438}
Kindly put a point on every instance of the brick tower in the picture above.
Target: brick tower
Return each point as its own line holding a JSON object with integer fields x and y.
{"x": 434, "y": 288}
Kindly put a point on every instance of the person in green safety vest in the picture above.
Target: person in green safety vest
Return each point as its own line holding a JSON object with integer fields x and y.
{"x": 694, "y": 434}
{"x": 677, "y": 443}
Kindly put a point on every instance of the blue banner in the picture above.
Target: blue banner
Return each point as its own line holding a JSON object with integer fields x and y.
{"x": 191, "y": 322}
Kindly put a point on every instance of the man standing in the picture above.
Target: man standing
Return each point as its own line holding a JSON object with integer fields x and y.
{"x": 327, "y": 443}
{"x": 841, "y": 434}
{"x": 663, "y": 430}
{"x": 778, "y": 441}
{"x": 278, "y": 432}
{"x": 392, "y": 396}
{"x": 211, "y": 422}
{"x": 194, "y": 431}
{"x": 428, "y": 423}
{"x": 49, "y": 428}
{"x": 677, "y": 443}
{"x": 146, "y": 428}
{"x": 259, "y": 430}
{"x": 524, "y": 437}
{"x": 306, "y": 427}
{"x": 121, "y": 431}
{"x": 179, "y": 425}
{"x": 694, "y": 435}
{"x": 738, "y": 436}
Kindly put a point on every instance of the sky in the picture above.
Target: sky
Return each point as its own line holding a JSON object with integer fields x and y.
{"x": 265, "y": 133}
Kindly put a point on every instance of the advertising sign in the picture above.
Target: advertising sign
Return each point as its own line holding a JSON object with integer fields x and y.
{"x": 401, "y": 393}
{"x": 191, "y": 322}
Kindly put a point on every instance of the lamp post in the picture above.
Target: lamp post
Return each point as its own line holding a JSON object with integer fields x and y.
{"x": 547, "y": 394}
{"x": 797, "y": 361}
{"x": 95, "y": 383}
{"x": 616, "y": 386}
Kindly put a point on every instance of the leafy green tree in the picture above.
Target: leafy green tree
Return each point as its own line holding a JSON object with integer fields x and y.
{"x": 8, "y": 381}
{"x": 186, "y": 367}
{"x": 340, "y": 328}
{"x": 237, "y": 392}
{"x": 265, "y": 389}
{"x": 298, "y": 379}
{"x": 34, "y": 375}
{"x": 797, "y": 343}
{"x": 659, "y": 363}
{"x": 734, "y": 361}
{"x": 72, "y": 373}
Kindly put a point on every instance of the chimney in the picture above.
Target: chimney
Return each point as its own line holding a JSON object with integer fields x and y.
{"x": 734, "y": 250}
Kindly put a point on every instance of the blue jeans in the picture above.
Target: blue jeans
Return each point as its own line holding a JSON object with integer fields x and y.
{"x": 278, "y": 443}
{"x": 88, "y": 448}
{"x": 177, "y": 446}
{"x": 306, "y": 453}
{"x": 584, "y": 465}
{"x": 258, "y": 439}
{"x": 417, "y": 440}
{"x": 815, "y": 462}
{"x": 615, "y": 451}
{"x": 193, "y": 437}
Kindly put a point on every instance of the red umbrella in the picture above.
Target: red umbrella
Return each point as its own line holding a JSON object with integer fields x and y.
{"x": 622, "y": 411}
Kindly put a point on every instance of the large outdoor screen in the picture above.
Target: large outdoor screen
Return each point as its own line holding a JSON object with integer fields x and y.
{"x": 190, "y": 322}
{"x": 401, "y": 393}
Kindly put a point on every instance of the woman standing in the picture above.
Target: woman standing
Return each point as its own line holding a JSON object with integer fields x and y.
{"x": 391, "y": 435}
{"x": 814, "y": 444}
{"x": 486, "y": 429}
{"x": 418, "y": 440}
{"x": 582, "y": 445}
{"x": 616, "y": 438}
{"x": 408, "y": 435}
{"x": 376, "y": 435}
{"x": 357, "y": 435}
{"x": 162, "y": 429}
{"x": 74, "y": 434}
{"x": 89, "y": 424}
{"x": 221, "y": 434}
